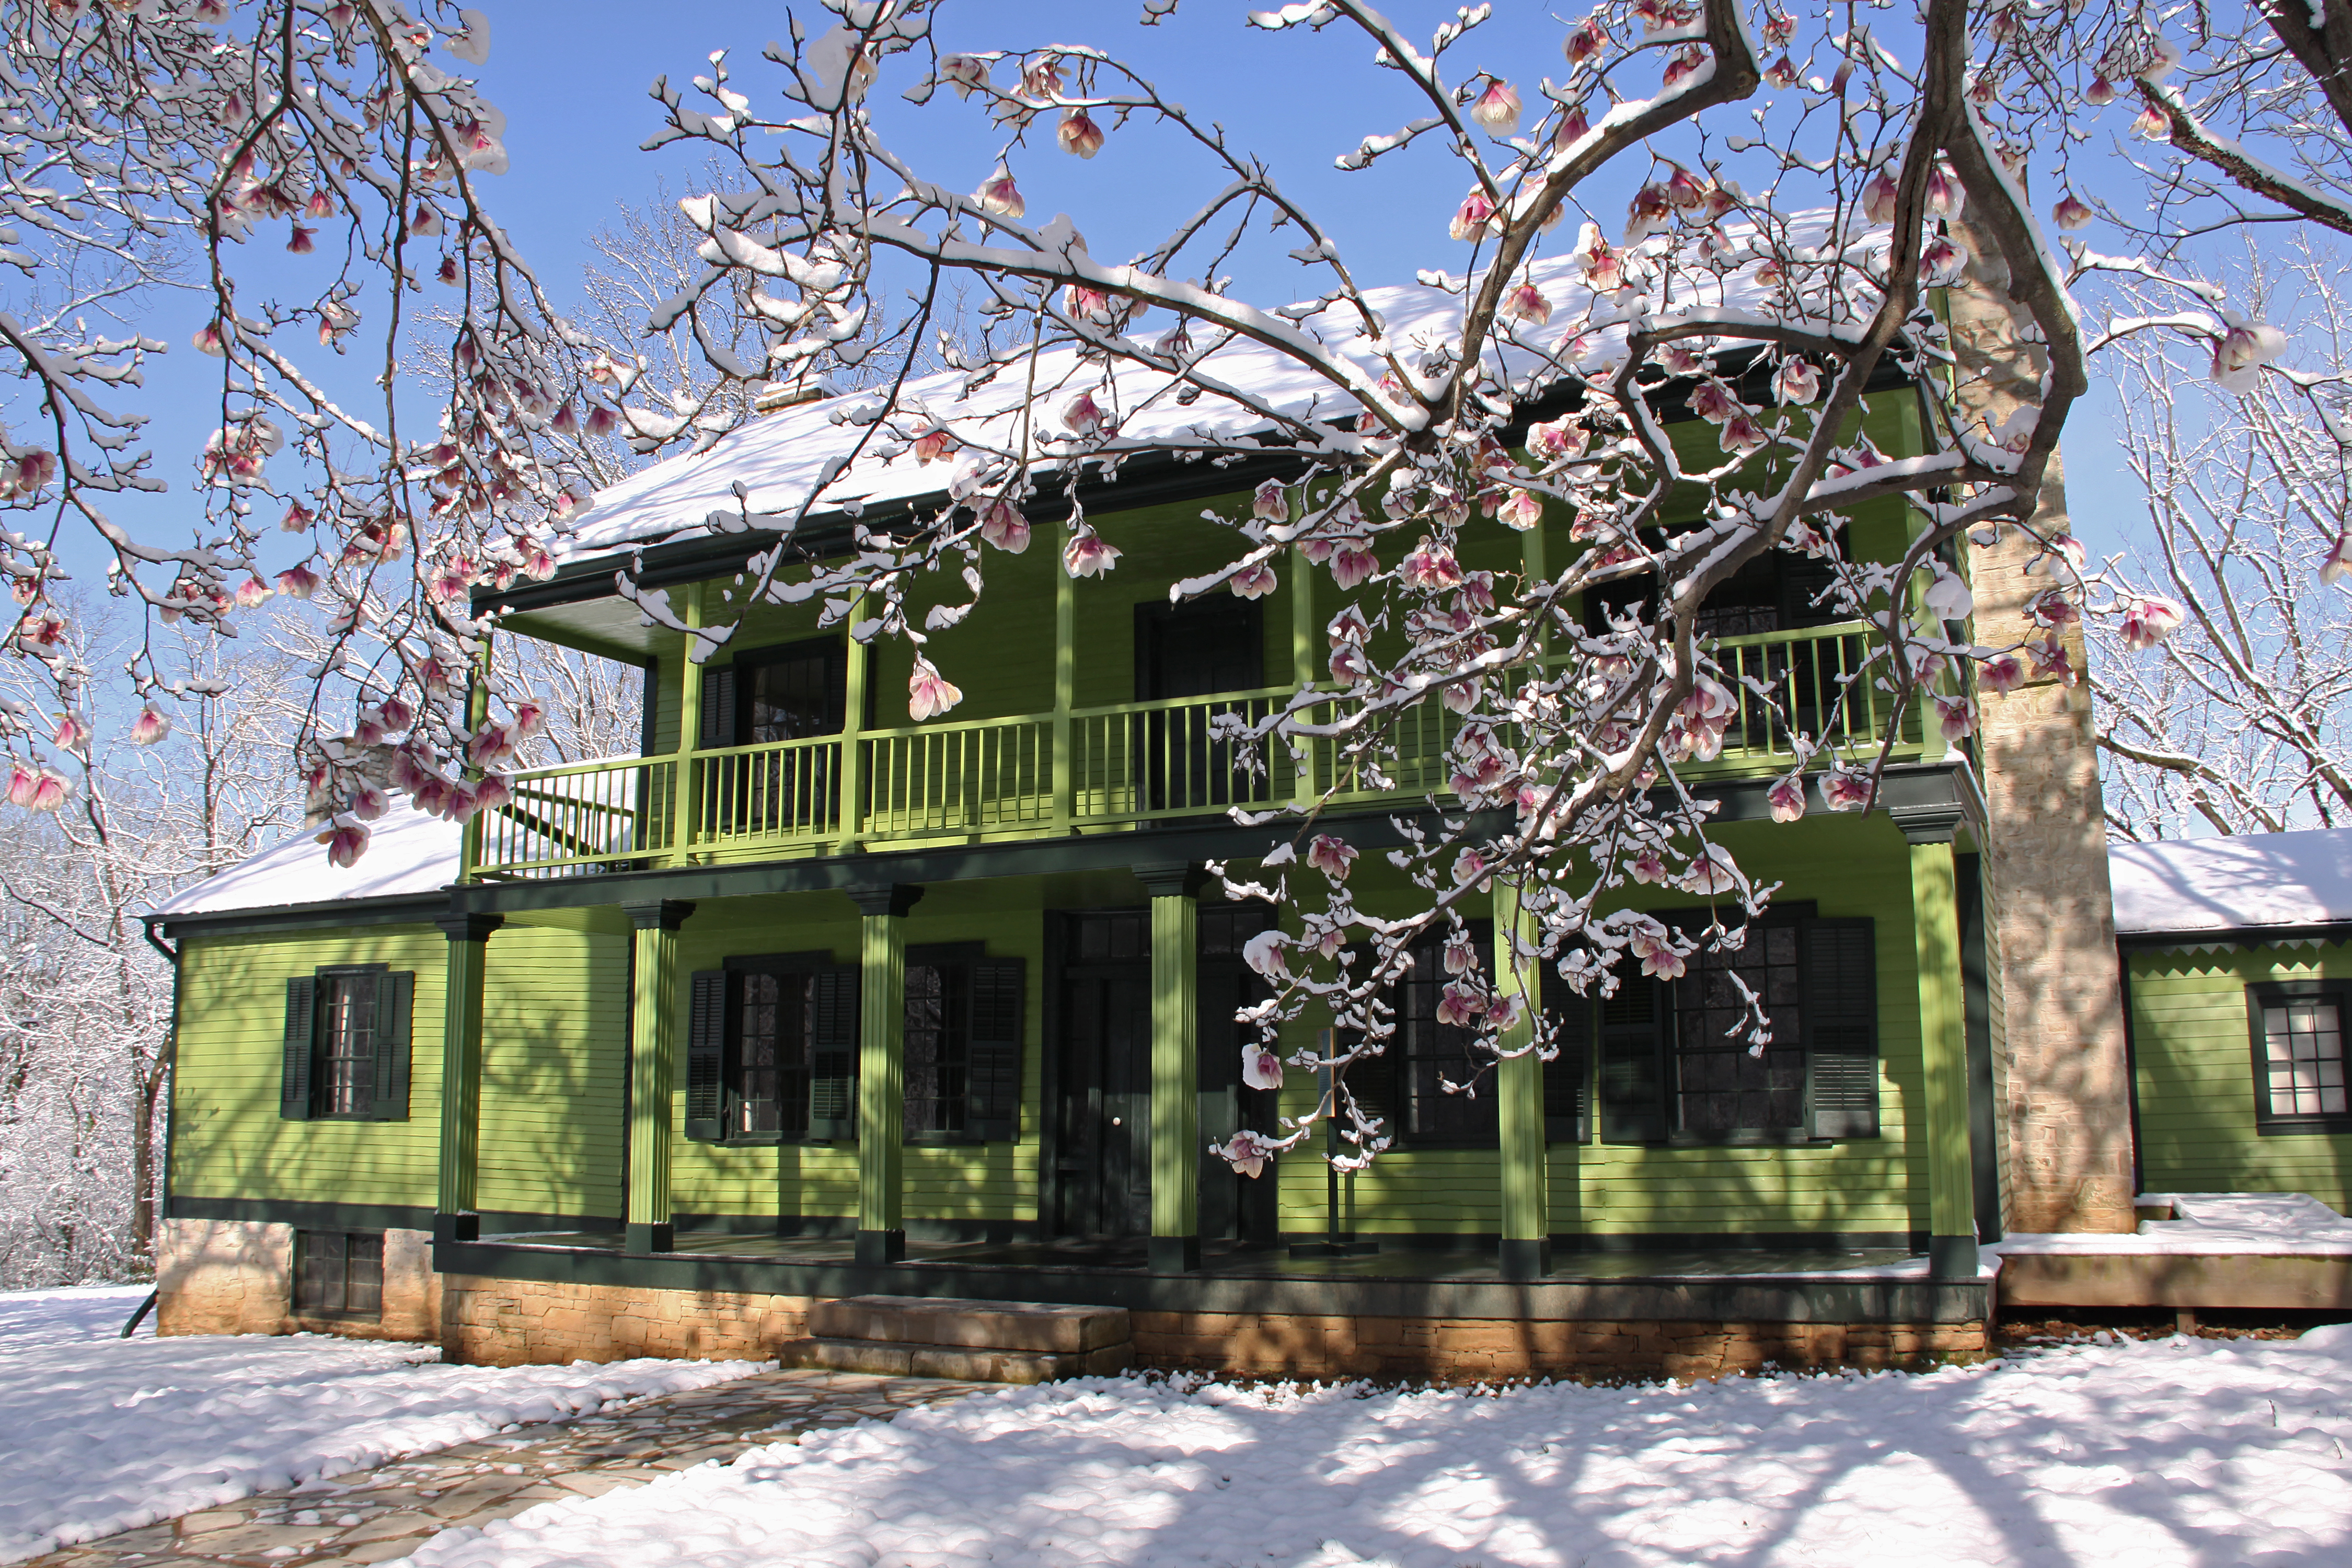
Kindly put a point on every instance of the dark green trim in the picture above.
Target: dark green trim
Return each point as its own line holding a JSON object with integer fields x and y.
{"x": 572, "y": 637}
{"x": 371, "y": 1217}
{"x": 406, "y": 909}
{"x": 2232, "y": 936}
{"x": 1976, "y": 1002}
{"x": 1822, "y": 1299}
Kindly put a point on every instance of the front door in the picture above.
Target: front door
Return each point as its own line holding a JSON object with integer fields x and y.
{"x": 1103, "y": 1163}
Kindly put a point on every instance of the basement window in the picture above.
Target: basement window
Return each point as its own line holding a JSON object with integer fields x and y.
{"x": 339, "y": 1274}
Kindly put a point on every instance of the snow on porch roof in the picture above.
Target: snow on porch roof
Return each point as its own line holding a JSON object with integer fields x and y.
{"x": 408, "y": 852}
{"x": 2245, "y": 882}
{"x": 767, "y": 467}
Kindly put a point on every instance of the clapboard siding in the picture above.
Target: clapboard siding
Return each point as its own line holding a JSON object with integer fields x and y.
{"x": 554, "y": 1068}
{"x": 227, "y": 1138}
{"x": 2195, "y": 1070}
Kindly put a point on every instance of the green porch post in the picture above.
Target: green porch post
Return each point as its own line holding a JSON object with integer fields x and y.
{"x": 1518, "y": 1096}
{"x": 653, "y": 1050}
{"x": 882, "y": 1070}
{"x": 1176, "y": 1147}
{"x": 1302, "y": 664}
{"x": 858, "y": 670}
{"x": 1065, "y": 685}
{"x": 1943, "y": 1039}
{"x": 685, "y": 792}
{"x": 455, "y": 1216}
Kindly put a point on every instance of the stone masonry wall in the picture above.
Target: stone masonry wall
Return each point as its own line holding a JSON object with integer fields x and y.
{"x": 2068, "y": 1113}
{"x": 235, "y": 1276}
{"x": 1468, "y": 1350}
{"x": 520, "y": 1322}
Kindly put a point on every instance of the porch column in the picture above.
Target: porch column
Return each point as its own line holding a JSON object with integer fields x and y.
{"x": 857, "y": 666}
{"x": 1518, "y": 1094}
{"x": 653, "y": 1049}
{"x": 1176, "y": 1147}
{"x": 455, "y": 1216}
{"x": 1066, "y": 684}
{"x": 1943, "y": 1040}
{"x": 684, "y": 793}
{"x": 882, "y": 1070}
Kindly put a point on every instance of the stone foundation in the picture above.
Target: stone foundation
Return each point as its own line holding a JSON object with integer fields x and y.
{"x": 523, "y": 1323}
{"x": 1464, "y": 1349}
{"x": 236, "y": 1277}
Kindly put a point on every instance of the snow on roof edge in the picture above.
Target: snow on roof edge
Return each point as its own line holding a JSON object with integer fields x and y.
{"x": 2250, "y": 881}
{"x": 408, "y": 853}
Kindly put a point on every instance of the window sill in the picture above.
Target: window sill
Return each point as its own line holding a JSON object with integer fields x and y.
{"x": 2303, "y": 1126}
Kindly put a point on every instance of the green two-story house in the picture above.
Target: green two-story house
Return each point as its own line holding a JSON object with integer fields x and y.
{"x": 806, "y": 1000}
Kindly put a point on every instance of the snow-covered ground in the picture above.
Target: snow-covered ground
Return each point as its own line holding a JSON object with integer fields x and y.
{"x": 100, "y": 1434}
{"x": 2176, "y": 1452}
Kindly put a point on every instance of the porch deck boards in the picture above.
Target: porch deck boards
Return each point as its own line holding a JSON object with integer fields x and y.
{"x": 1229, "y": 1260}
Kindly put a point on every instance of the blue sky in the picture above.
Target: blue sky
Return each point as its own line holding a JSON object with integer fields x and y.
{"x": 574, "y": 80}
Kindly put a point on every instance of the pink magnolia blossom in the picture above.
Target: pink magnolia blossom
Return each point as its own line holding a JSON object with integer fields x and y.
{"x": 1575, "y": 125}
{"x": 1432, "y": 566}
{"x": 1353, "y": 566}
{"x": 998, "y": 195}
{"x": 1246, "y": 1153}
{"x": 301, "y": 241}
{"x": 23, "y": 779}
{"x": 2072, "y": 212}
{"x": 1786, "y": 798}
{"x": 931, "y": 446}
{"x": 297, "y": 518}
{"x": 320, "y": 205}
{"x": 1946, "y": 194}
{"x": 529, "y": 719}
{"x": 251, "y": 592}
{"x": 2002, "y": 675}
{"x": 929, "y": 693}
{"x": 1554, "y": 439}
{"x": 1955, "y": 717}
{"x": 345, "y": 842}
{"x": 1586, "y": 41}
{"x": 2100, "y": 93}
{"x": 1527, "y": 303}
{"x": 2050, "y": 658}
{"x": 1712, "y": 872}
{"x": 1088, "y": 555}
{"x": 152, "y": 725}
{"x": 1683, "y": 65}
{"x": 2339, "y": 559}
{"x": 1878, "y": 198}
{"x": 491, "y": 792}
{"x": 1473, "y": 217}
{"x": 1271, "y": 503}
{"x": 1081, "y": 415}
{"x": 1349, "y": 665}
{"x": 1263, "y": 954}
{"x": 1461, "y": 954}
{"x": 1459, "y": 1007}
{"x": 1781, "y": 73}
{"x": 1497, "y": 109}
{"x": 966, "y": 73}
{"x": 1942, "y": 263}
{"x": 2152, "y": 124}
{"x": 1519, "y": 510}
{"x": 1255, "y": 583}
{"x": 397, "y": 714}
{"x": 1504, "y": 1013}
{"x": 1079, "y": 134}
{"x": 602, "y": 421}
{"x": 2243, "y": 351}
{"x": 2052, "y": 608}
{"x": 1947, "y": 598}
{"x": 207, "y": 339}
{"x": 72, "y": 733}
{"x": 1261, "y": 1068}
{"x": 368, "y": 803}
{"x": 1797, "y": 382}
{"x": 490, "y": 744}
{"x": 1469, "y": 865}
{"x": 1604, "y": 269}
{"x": 1741, "y": 433}
{"x": 432, "y": 794}
{"x": 1713, "y": 401}
{"x": 1002, "y": 524}
{"x": 1331, "y": 856}
{"x": 1843, "y": 790}
{"x": 539, "y": 563}
{"x": 1659, "y": 960}
{"x": 2148, "y": 622}
{"x": 1647, "y": 868}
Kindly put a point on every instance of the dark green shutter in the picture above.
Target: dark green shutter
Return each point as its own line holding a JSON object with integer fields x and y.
{"x": 706, "y": 1055}
{"x": 995, "y": 1062}
{"x": 718, "y": 708}
{"x": 1632, "y": 1062}
{"x": 832, "y": 1052}
{"x": 1565, "y": 1076}
{"x": 395, "y": 1000}
{"x": 301, "y": 1032}
{"x": 1839, "y": 1008}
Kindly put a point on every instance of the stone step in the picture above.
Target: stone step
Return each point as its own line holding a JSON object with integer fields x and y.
{"x": 1035, "y": 1326}
{"x": 963, "y": 1363}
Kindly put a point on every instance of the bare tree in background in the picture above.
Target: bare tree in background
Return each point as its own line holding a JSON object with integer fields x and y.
{"x": 2242, "y": 721}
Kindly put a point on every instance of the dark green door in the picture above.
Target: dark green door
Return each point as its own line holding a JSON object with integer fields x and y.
{"x": 1104, "y": 1155}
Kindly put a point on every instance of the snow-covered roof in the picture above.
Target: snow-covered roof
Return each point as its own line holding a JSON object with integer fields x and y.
{"x": 2243, "y": 882}
{"x": 408, "y": 852}
{"x": 768, "y": 467}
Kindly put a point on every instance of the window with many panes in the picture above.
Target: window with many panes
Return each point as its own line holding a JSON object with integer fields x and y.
{"x": 2298, "y": 1043}
{"x": 346, "y": 1049}
{"x": 337, "y": 1274}
{"x": 347, "y": 1044}
{"x": 1723, "y": 1085}
{"x": 939, "y": 1042}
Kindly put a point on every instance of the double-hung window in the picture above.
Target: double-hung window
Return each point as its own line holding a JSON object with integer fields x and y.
{"x": 347, "y": 1045}
{"x": 2298, "y": 1045}
{"x": 337, "y": 1274}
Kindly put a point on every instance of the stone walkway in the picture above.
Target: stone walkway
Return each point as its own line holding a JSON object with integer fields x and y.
{"x": 373, "y": 1516}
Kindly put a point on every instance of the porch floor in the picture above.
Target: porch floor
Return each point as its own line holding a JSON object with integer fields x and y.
{"x": 1232, "y": 1260}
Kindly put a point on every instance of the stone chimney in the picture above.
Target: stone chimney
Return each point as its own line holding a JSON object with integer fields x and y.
{"x": 2068, "y": 1111}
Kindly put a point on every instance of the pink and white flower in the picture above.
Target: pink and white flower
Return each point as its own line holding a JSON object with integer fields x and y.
{"x": 929, "y": 693}
{"x": 1265, "y": 955}
{"x": 2339, "y": 559}
{"x": 1946, "y": 194}
{"x": 1459, "y": 1006}
{"x": 1271, "y": 503}
{"x": 2148, "y": 622}
{"x": 2072, "y": 212}
{"x": 1353, "y": 564}
{"x": 1497, "y": 109}
{"x": 1082, "y": 416}
{"x": 1469, "y": 865}
{"x": 1712, "y": 872}
{"x": 1247, "y": 1153}
{"x": 1845, "y": 790}
{"x": 1527, "y": 303}
{"x": 966, "y": 73}
{"x": 1519, "y": 510}
{"x": 1432, "y": 566}
{"x": 1786, "y": 799}
{"x": 1079, "y": 134}
{"x": 1878, "y": 198}
{"x": 931, "y": 446}
{"x": 2001, "y": 675}
{"x": 999, "y": 195}
{"x": 1255, "y": 583}
{"x": 1088, "y": 555}
{"x": 1461, "y": 954}
{"x": 345, "y": 842}
{"x": 1002, "y": 525}
{"x": 1797, "y": 382}
{"x": 1647, "y": 868}
{"x": 1331, "y": 856}
{"x": 1261, "y": 1068}
{"x": 1473, "y": 217}
{"x": 1955, "y": 717}
{"x": 1948, "y": 597}
{"x": 2243, "y": 351}
{"x": 152, "y": 725}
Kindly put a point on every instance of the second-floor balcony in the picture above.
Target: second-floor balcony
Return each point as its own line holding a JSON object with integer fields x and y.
{"x": 1090, "y": 770}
